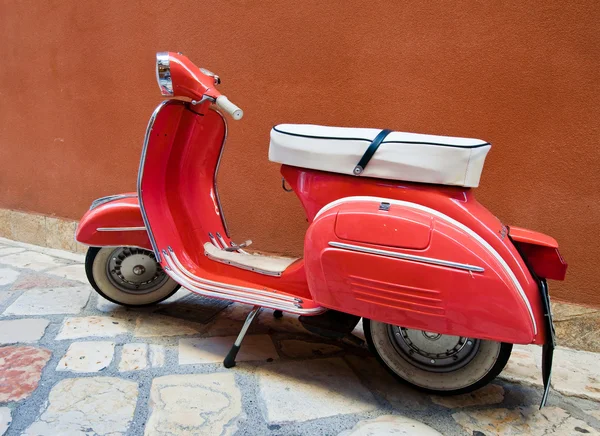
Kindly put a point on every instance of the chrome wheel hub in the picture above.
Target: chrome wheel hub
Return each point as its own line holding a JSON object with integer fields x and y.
{"x": 433, "y": 351}
{"x": 135, "y": 270}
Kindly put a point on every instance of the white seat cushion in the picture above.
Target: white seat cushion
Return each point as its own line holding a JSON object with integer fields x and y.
{"x": 412, "y": 157}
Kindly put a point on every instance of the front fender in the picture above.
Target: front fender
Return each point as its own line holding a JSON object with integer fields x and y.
{"x": 112, "y": 222}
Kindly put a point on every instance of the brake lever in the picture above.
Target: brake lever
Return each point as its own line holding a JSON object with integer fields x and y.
{"x": 203, "y": 99}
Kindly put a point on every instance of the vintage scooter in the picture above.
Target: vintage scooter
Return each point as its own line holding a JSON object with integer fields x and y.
{"x": 396, "y": 237}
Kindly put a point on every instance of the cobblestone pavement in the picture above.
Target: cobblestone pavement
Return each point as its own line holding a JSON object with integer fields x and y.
{"x": 74, "y": 363}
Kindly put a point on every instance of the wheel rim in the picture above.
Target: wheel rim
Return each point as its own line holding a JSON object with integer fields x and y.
{"x": 135, "y": 271}
{"x": 433, "y": 352}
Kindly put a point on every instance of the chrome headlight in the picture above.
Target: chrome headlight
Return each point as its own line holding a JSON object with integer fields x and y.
{"x": 163, "y": 74}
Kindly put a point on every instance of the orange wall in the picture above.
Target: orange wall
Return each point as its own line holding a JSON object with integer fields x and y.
{"x": 77, "y": 87}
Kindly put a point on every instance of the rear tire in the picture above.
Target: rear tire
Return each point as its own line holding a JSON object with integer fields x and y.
{"x": 460, "y": 365}
{"x": 128, "y": 276}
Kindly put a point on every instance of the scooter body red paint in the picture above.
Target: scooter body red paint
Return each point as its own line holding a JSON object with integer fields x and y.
{"x": 421, "y": 256}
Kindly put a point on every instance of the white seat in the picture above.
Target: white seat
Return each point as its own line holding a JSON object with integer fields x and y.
{"x": 404, "y": 156}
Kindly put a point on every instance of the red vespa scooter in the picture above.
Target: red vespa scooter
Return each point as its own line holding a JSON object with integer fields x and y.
{"x": 396, "y": 237}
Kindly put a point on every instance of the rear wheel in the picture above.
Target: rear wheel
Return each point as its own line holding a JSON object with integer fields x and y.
{"x": 435, "y": 363}
{"x": 128, "y": 276}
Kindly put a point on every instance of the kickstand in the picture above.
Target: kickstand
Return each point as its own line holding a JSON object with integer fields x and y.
{"x": 229, "y": 361}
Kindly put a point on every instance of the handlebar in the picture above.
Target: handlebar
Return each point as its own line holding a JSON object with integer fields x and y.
{"x": 227, "y": 106}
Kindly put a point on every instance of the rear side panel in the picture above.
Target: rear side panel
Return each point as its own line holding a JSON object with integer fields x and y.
{"x": 408, "y": 267}
{"x": 318, "y": 191}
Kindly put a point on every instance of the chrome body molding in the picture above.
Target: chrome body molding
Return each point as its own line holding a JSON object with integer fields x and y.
{"x": 238, "y": 293}
{"x": 217, "y": 171}
{"x": 193, "y": 277}
{"x": 108, "y": 199}
{"x": 221, "y": 240}
{"x": 141, "y": 172}
{"x": 121, "y": 229}
{"x": 403, "y": 256}
{"x": 115, "y": 246}
{"x": 213, "y": 240}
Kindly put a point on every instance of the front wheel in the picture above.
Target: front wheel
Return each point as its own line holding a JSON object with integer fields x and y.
{"x": 435, "y": 363}
{"x": 128, "y": 276}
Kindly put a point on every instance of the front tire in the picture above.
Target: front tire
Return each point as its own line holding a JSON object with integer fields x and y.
{"x": 128, "y": 276}
{"x": 434, "y": 363}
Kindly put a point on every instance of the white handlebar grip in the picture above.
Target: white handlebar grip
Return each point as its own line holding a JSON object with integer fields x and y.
{"x": 224, "y": 103}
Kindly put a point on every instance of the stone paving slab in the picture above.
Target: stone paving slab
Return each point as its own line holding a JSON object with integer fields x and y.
{"x": 299, "y": 391}
{"x": 49, "y": 301}
{"x": 207, "y": 404}
{"x": 5, "y": 419}
{"x": 20, "y": 371}
{"x": 32, "y": 279}
{"x": 380, "y": 382}
{"x": 134, "y": 357}
{"x": 93, "y": 326}
{"x": 158, "y": 371}
{"x": 299, "y": 349}
{"x": 6, "y": 295}
{"x": 30, "y": 260}
{"x": 8, "y": 276}
{"x": 575, "y": 373}
{"x": 70, "y": 272}
{"x": 94, "y": 405}
{"x": 523, "y": 421}
{"x": 391, "y": 425}
{"x": 153, "y": 325}
{"x": 4, "y": 251}
{"x": 22, "y": 330}
{"x": 87, "y": 356}
{"x": 490, "y": 394}
{"x": 156, "y": 356}
{"x": 214, "y": 350}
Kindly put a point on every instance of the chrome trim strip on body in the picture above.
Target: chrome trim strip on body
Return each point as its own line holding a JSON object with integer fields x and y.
{"x": 120, "y": 229}
{"x": 242, "y": 299}
{"x": 195, "y": 278}
{"x": 221, "y": 240}
{"x": 213, "y": 240}
{"x": 217, "y": 171}
{"x": 421, "y": 259}
{"x": 241, "y": 296}
{"x": 141, "y": 172}
{"x": 115, "y": 246}
{"x": 452, "y": 221}
{"x": 103, "y": 200}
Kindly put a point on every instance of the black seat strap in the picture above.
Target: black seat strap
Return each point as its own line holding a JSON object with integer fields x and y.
{"x": 362, "y": 164}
